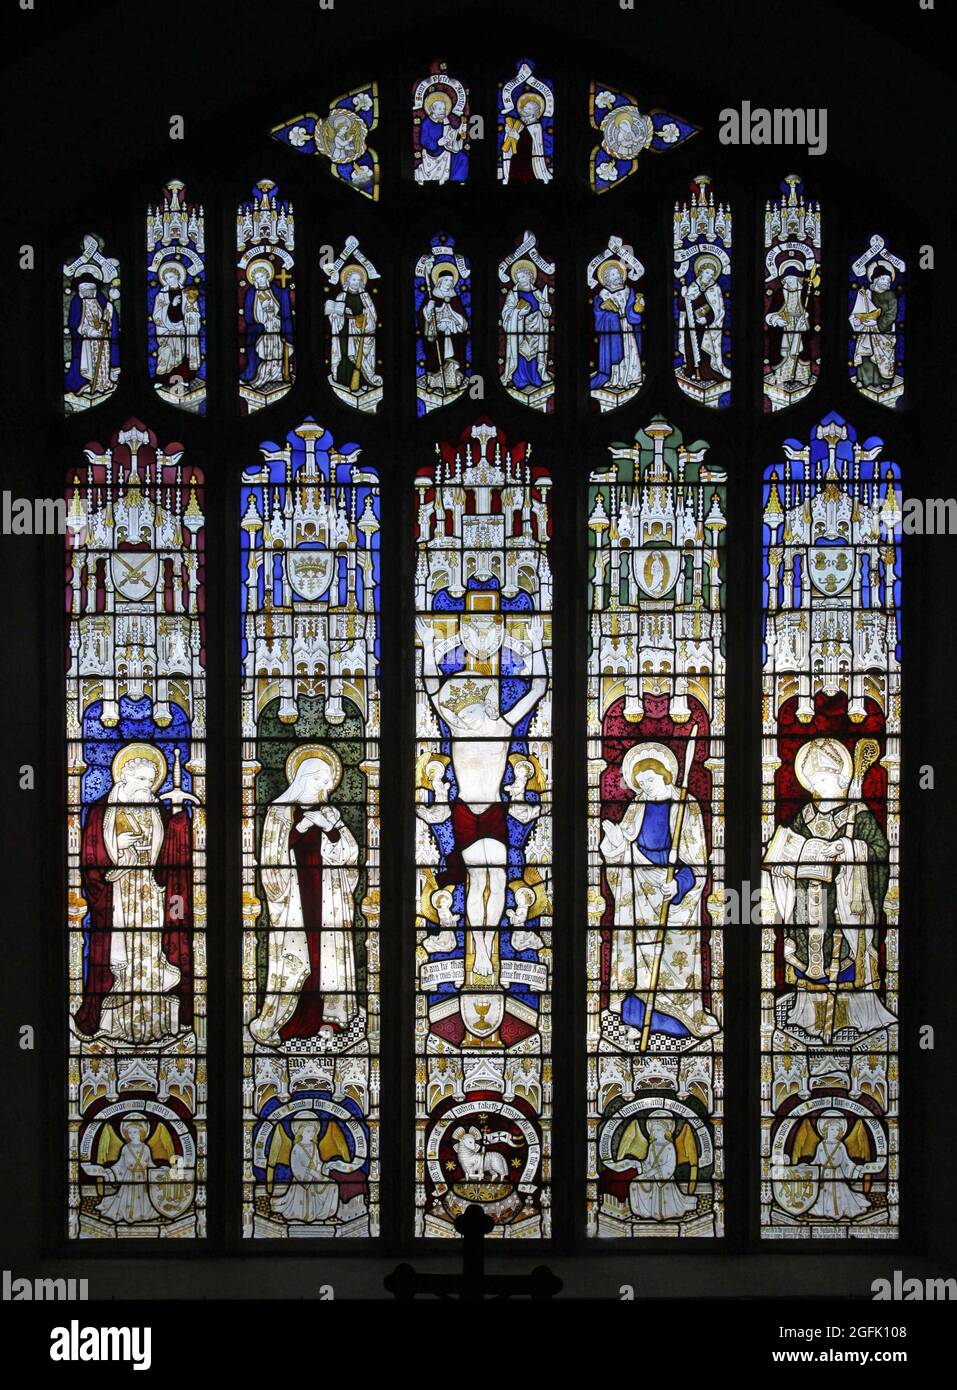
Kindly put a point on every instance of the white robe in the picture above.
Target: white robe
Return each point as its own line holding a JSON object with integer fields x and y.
{"x": 289, "y": 963}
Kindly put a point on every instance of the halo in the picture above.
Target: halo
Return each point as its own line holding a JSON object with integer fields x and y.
{"x": 880, "y": 268}
{"x": 171, "y": 264}
{"x": 314, "y": 750}
{"x": 444, "y": 268}
{"x": 665, "y": 1115}
{"x": 706, "y": 259}
{"x": 348, "y": 269}
{"x": 131, "y": 752}
{"x": 659, "y": 752}
{"x": 814, "y": 748}
{"x": 536, "y": 783}
{"x": 523, "y": 264}
{"x": 530, "y": 99}
{"x": 533, "y": 881}
{"x": 134, "y": 1117}
{"x": 438, "y": 91}
{"x": 607, "y": 264}
{"x": 254, "y": 265}
{"x": 326, "y": 131}
{"x": 789, "y": 267}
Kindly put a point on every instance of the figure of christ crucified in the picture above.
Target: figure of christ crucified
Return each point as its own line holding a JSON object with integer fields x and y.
{"x": 468, "y": 703}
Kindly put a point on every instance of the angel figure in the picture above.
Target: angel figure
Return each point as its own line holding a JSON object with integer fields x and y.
{"x": 653, "y": 1194}
{"x": 320, "y": 1163}
{"x": 836, "y": 1160}
{"x": 312, "y": 1195}
{"x": 129, "y": 1158}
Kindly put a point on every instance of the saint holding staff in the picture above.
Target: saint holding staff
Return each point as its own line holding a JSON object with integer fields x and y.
{"x": 655, "y": 862}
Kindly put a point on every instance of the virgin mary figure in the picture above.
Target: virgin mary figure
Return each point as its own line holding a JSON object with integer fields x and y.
{"x": 309, "y": 867}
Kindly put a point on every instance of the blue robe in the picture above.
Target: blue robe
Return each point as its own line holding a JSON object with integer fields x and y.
{"x": 254, "y": 328}
{"x": 430, "y": 133}
{"x": 654, "y": 841}
{"x": 73, "y": 381}
{"x": 611, "y": 348}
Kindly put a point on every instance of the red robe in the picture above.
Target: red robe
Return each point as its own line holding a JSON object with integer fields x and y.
{"x": 307, "y": 850}
{"x": 173, "y": 872}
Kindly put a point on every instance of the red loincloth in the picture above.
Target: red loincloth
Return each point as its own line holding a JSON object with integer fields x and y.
{"x": 469, "y": 827}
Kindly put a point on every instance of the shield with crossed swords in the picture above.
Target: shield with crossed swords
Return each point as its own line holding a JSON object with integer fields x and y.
{"x": 134, "y": 573}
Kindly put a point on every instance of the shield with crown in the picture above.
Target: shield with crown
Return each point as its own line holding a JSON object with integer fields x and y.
{"x": 310, "y": 572}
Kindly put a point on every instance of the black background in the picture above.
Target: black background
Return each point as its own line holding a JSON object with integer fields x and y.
{"x": 87, "y": 94}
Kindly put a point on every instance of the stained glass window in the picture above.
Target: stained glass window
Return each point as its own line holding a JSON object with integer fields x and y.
{"x": 176, "y": 299}
{"x": 136, "y": 841}
{"x": 428, "y": 910}
{"x": 702, "y": 297}
{"x": 792, "y": 296}
{"x": 483, "y": 792}
{"x": 91, "y": 327}
{"x": 310, "y": 701}
{"x": 443, "y": 325}
{"x": 876, "y": 318}
{"x": 265, "y": 242}
{"x": 526, "y": 129}
{"x": 352, "y": 319}
{"x": 830, "y": 824}
{"x": 656, "y": 776}
{"x": 341, "y": 137}
{"x": 618, "y": 314}
{"x": 440, "y": 128}
{"x": 527, "y": 326}
{"x": 624, "y": 133}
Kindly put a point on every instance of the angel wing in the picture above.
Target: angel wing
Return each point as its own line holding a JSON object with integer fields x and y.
{"x": 108, "y": 1146}
{"x": 805, "y": 1146}
{"x": 160, "y": 1144}
{"x": 333, "y": 1144}
{"x": 280, "y": 1150}
{"x": 858, "y": 1143}
{"x": 633, "y": 1143}
{"x": 686, "y": 1151}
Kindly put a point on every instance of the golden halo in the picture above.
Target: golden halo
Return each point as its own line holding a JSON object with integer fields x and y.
{"x": 541, "y": 906}
{"x": 530, "y": 99}
{"x": 435, "y": 94}
{"x": 611, "y": 261}
{"x": 172, "y": 264}
{"x": 314, "y": 750}
{"x": 347, "y": 271}
{"x": 445, "y": 268}
{"x": 831, "y": 749}
{"x": 655, "y": 752}
{"x": 339, "y": 119}
{"x": 535, "y": 783}
{"x": 254, "y": 265}
{"x": 706, "y": 259}
{"x": 131, "y": 752}
{"x": 523, "y": 264}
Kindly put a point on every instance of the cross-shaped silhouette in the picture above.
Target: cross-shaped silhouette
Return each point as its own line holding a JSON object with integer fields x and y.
{"x": 473, "y": 1283}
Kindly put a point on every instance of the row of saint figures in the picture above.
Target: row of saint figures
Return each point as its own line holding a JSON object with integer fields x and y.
{"x": 445, "y": 129}
{"x": 484, "y": 794}
{"x": 530, "y": 303}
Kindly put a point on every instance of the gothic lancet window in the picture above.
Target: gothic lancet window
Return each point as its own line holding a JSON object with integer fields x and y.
{"x": 412, "y": 882}
{"x": 136, "y": 774}
{"x": 311, "y": 882}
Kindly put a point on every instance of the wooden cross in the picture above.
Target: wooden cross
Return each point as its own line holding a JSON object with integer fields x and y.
{"x": 473, "y": 1283}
